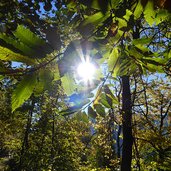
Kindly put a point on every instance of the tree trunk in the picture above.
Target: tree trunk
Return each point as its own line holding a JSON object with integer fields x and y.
{"x": 25, "y": 144}
{"x": 53, "y": 136}
{"x": 127, "y": 125}
{"x": 118, "y": 141}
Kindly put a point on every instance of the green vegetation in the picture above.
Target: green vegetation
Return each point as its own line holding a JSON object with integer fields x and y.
{"x": 51, "y": 120}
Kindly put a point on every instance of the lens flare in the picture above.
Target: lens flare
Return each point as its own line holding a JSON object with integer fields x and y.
{"x": 86, "y": 71}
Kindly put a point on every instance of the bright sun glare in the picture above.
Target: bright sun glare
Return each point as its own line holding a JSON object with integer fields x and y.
{"x": 86, "y": 71}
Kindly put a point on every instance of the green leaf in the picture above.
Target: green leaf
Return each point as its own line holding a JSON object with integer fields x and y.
{"x": 133, "y": 69}
{"x": 113, "y": 58}
{"x": 17, "y": 44}
{"x": 56, "y": 74}
{"x": 116, "y": 70}
{"x": 155, "y": 61}
{"x": 110, "y": 95}
{"x": 109, "y": 100}
{"x": 154, "y": 68}
{"x": 68, "y": 84}
{"x": 169, "y": 54}
{"x": 138, "y": 10}
{"x": 1, "y": 77}
{"x": 95, "y": 19}
{"x": 122, "y": 23}
{"x": 125, "y": 66}
{"x": 91, "y": 112}
{"x": 135, "y": 53}
{"x": 103, "y": 100}
{"x": 23, "y": 91}
{"x": 82, "y": 116}
{"x": 39, "y": 47}
{"x": 71, "y": 5}
{"x": 8, "y": 55}
{"x": 28, "y": 38}
{"x": 127, "y": 15}
{"x": 94, "y": 5}
{"x": 27, "y": 42}
{"x": 113, "y": 64}
{"x": 100, "y": 109}
{"x": 149, "y": 12}
{"x": 141, "y": 41}
{"x": 97, "y": 4}
{"x": 114, "y": 3}
{"x": 162, "y": 15}
{"x": 45, "y": 77}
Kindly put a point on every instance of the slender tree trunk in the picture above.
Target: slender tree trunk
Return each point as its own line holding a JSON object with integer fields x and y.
{"x": 127, "y": 125}
{"x": 25, "y": 144}
{"x": 52, "y": 149}
{"x": 118, "y": 142}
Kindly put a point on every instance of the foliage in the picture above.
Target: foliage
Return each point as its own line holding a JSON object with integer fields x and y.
{"x": 134, "y": 46}
{"x": 126, "y": 38}
{"x": 153, "y": 123}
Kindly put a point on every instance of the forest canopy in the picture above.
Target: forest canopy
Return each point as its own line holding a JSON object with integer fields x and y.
{"x": 54, "y": 116}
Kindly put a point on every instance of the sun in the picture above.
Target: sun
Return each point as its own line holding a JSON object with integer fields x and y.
{"x": 86, "y": 71}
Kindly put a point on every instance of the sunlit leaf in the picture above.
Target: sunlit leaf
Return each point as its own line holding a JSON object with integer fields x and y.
{"x": 113, "y": 59}
{"x": 138, "y": 10}
{"x": 17, "y": 44}
{"x": 110, "y": 95}
{"x": 141, "y": 41}
{"x": 55, "y": 71}
{"x": 127, "y": 15}
{"x": 113, "y": 62}
{"x": 68, "y": 84}
{"x": 135, "y": 53}
{"x": 8, "y": 55}
{"x": 44, "y": 81}
{"x": 161, "y": 16}
{"x": 114, "y": 3}
{"x": 99, "y": 109}
{"x": 153, "y": 68}
{"x": 149, "y": 12}
{"x": 97, "y": 96}
{"x": 122, "y": 23}
{"x": 124, "y": 66}
{"x": 104, "y": 101}
{"x": 28, "y": 38}
{"x": 23, "y": 90}
{"x": 116, "y": 71}
{"x": 93, "y": 19}
{"x": 27, "y": 42}
{"x": 155, "y": 61}
{"x": 31, "y": 40}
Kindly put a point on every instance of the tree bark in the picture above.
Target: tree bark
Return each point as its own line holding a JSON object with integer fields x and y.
{"x": 118, "y": 141}
{"x": 127, "y": 125}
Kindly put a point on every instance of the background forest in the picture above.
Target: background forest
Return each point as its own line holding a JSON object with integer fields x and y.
{"x": 53, "y": 119}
